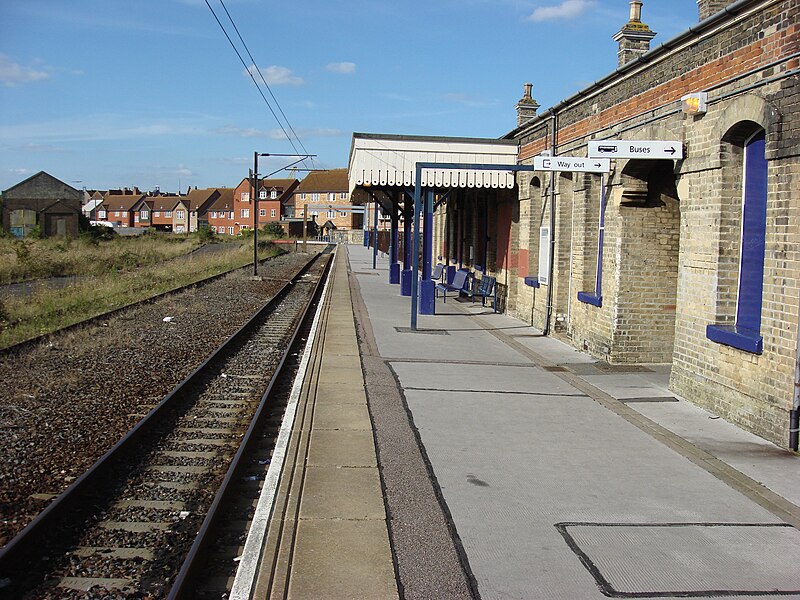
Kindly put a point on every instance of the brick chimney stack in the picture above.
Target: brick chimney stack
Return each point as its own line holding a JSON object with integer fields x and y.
{"x": 634, "y": 38}
{"x": 526, "y": 106}
{"x": 707, "y": 8}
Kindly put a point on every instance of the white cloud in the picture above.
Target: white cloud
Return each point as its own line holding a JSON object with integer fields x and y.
{"x": 277, "y": 133}
{"x": 568, "y": 9}
{"x": 12, "y": 74}
{"x": 343, "y": 68}
{"x": 275, "y": 75}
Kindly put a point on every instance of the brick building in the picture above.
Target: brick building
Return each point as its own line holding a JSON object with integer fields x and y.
{"x": 117, "y": 209}
{"x": 272, "y": 194}
{"x": 328, "y": 191}
{"x": 690, "y": 261}
{"x": 221, "y": 215}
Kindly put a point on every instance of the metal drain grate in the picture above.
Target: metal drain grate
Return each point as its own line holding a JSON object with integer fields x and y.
{"x": 649, "y": 399}
{"x": 555, "y": 369}
{"x": 688, "y": 560}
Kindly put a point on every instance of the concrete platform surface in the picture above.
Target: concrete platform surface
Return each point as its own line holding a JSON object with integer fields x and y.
{"x": 514, "y": 466}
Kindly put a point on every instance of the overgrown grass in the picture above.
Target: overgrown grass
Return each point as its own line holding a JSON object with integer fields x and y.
{"x": 46, "y": 310}
{"x": 26, "y": 259}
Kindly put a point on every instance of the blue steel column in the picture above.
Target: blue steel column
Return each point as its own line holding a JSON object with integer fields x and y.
{"x": 427, "y": 305}
{"x": 375, "y": 236}
{"x": 408, "y": 220}
{"x": 394, "y": 266}
{"x": 415, "y": 247}
{"x": 366, "y": 225}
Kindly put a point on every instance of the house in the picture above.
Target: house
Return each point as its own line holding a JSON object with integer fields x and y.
{"x": 117, "y": 209}
{"x": 328, "y": 192}
{"x": 143, "y": 212}
{"x": 272, "y": 194}
{"x": 196, "y": 203}
{"x": 44, "y": 201}
{"x": 163, "y": 208}
{"x": 220, "y": 213}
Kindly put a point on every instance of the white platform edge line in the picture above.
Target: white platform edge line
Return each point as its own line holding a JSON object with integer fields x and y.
{"x": 248, "y": 565}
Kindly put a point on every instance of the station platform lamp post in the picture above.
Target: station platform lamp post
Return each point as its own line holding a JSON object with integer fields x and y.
{"x": 255, "y": 178}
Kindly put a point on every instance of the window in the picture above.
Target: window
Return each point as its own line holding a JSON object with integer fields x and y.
{"x": 262, "y": 194}
{"x": 167, "y": 213}
{"x": 262, "y": 212}
{"x": 245, "y": 196}
{"x": 331, "y": 214}
{"x": 302, "y": 196}
{"x": 213, "y": 214}
{"x": 342, "y": 214}
{"x": 744, "y": 303}
{"x": 230, "y": 230}
{"x": 315, "y": 196}
{"x": 101, "y": 214}
{"x": 272, "y": 213}
{"x": 144, "y": 215}
{"x": 343, "y": 195}
{"x": 214, "y": 228}
{"x": 245, "y": 213}
{"x": 116, "y": 214}
{"x": 180, "y": 214}
{"x": 230, "y": 215}
{"x": 273, "y": 194}
{"x": 135, "y": 218}
{"x": 332, "y": 196}
{"x": 156, "y": 213}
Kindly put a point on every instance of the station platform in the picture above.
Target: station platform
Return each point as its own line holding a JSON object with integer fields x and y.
{"x": 494, "y": 462}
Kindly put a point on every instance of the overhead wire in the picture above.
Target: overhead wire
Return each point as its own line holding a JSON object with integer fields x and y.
{"x": 266, "y": 85}
{"x": 255, "y": 82}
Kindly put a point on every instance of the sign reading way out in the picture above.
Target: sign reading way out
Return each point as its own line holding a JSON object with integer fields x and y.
{"x": 571, "y": 163}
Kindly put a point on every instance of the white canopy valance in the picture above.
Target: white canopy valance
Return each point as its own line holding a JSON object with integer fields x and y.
{"x": 390, "y": 160}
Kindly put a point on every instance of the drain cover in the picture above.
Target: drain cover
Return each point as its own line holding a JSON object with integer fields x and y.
{"x": 688, "y": 559}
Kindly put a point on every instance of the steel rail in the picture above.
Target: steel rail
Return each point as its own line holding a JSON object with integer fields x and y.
{"x": 15, "y": 555}
{"x": 182, "y": 587}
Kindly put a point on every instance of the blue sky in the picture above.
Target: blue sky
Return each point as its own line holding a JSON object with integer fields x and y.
{"x": 112, "y": 93}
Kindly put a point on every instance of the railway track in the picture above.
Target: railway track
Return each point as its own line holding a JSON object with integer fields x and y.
{"x": 128, "y": 527}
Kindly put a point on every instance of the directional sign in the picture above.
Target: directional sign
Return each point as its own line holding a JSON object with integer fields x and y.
{"x": 635, "y": 149}
{"x": 571, "y": 163}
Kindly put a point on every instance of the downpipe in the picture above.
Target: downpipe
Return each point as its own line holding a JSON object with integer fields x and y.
{"x": 548, "y": 310}
{"x": 794, "y": 414}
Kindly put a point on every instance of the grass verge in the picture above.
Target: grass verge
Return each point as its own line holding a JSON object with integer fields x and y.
{"x": 47, "y": 310}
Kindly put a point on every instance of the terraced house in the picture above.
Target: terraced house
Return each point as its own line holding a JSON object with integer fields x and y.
{"x": 684, "y": 250}
{"x": 272, "y": 193}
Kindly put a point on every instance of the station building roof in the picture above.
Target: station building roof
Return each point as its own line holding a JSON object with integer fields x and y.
{"x": 386, "y": 160}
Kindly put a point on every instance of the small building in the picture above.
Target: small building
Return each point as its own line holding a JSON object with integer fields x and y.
{"x": 43, "y": 201}
{"x": 143, "y": 213}
{"x": 164, "y": 208}
{"x": 328, "y": 194}
{"x": 221, "y": 217}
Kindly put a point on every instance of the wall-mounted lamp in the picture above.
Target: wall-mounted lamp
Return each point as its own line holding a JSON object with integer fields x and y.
{"x": 694, "y": 104}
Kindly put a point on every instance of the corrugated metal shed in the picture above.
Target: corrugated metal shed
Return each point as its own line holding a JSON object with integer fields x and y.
{"x": 384, "y": 160}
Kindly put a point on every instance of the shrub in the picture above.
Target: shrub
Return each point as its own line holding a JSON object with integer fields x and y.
{"x": 274, "y": 229}
{"x": 205, "y": 234}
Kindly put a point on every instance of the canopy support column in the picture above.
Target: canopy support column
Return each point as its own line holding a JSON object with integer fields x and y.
{"x": 427, "y": 287}
{"x": 394, "y": 266}
{"x": 408, "y": 219}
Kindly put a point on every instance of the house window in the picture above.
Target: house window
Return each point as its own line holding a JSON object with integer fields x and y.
{"x": 745, "y": 331}
{"x": 315, "y": 196}
{"x": 144, "y": 215}
{"x": 245, "y": 213}
{"x": 156, "y": 213}
{"x": 213, "y": 214}
{"x": 245, "y": 196}
{"x": 230, "y": 230}
{"x": 332, "y": 197}
{"x": 342, "y": 213}
{"x": 273, "y": 194}
{"x": 230, "y": 215}
{"x": 101, "y": 214}
{"x": 135, "y": 218}
{"x": 331, "y": 214}
{"x": 168, "y": 213}
{"x": 302, "y": 196}
{"x": 179, "y": 214}
{"x": 262, "y": 212}
{"x": 262, "y": 194}
{"x": 343, "y": 195}
{"x": 116, "y": 213}
{"x": 272, "y": 213}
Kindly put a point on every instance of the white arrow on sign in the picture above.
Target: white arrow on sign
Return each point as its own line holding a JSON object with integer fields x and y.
{"x": 646, "y": 149}
{"x": 572, "y": 163}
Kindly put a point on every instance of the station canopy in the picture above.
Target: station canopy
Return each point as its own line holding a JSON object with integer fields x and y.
{"x": 387, "y": 161}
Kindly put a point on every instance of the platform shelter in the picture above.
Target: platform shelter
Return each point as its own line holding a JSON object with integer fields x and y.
{"x": 383, "y": 170}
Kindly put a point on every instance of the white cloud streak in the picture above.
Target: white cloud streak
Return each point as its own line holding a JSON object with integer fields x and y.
{"x": 276, "y": 75}
{"x": 277, "y": 134}
{"x": 12, "y": 74}
{"x": 568, "y": 9}
{"x": 343, "y": 68}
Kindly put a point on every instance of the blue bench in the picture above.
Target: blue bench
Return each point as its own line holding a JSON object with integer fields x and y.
{"x": 485, "y": 287}
{"x": 460, "y": 284}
